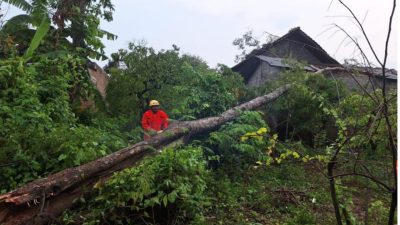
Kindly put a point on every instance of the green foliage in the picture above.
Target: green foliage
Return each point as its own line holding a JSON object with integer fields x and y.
{"x": 117, "y": 126}
{"x": 301, "y": 217}
{"x": 29, "y": 103}
{"x": 39, "y": 133}
{"x": 367, "y": 115}
{"x": 16, "y": 23}
{"x": 81, "y": 144}
{"x": 300, "y": 111}
{"x": 204, "y": 92}
{"x": 50, "y": 152}
{"x": 22, "y": 4}
{"x": 15, "y": 31}
{"x": 280, "y": 194}
{"x": 186, "y": 87}
{"x": 146, "y": 76}
{"x": 378, "y": 212}
{"x": 362, "y": 139}
{"x": 169, "y": 187}
{"x": 256, "y": 178}
{"x": 77, "y": 20}
{"x": 37, "y": 38}
{"x": 233, "y": 154}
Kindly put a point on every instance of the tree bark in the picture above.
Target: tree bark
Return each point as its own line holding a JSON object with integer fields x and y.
{"x": 393, "y": 205}
{"x": 40, "y": 200}
{"x": 332, "y": 186}
{"x": 334, "y": 197}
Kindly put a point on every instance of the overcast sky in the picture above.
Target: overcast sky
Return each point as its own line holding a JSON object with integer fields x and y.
{"x": 206, "y": 28}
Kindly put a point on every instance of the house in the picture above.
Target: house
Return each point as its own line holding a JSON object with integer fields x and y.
{"x": 99, "y": 78}
{"x": 266, "y": 64}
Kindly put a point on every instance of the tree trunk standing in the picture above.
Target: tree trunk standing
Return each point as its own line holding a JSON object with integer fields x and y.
{"x": 332, "y": 188}
{"x": 48, "y": 197}
{"x": 393, "y": 148}
{"x": 78, "y": 30}
{"x": 75, "y": 12}
{"x": 393, "y": 205}
{"x": 382, "y": 62}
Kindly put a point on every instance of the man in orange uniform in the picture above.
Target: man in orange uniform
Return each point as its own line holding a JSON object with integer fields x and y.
{"x": 154, "y": 120}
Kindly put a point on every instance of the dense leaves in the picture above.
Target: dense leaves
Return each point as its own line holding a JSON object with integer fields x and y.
{"x": 68, "y": 27}
{"x": 170, "y": 187}
{"x": 186, "y": 87}
{"x": 39, "y": 130}
{"x": 233, "y": 154}
{"x": 263, "y": 168}
{"x": 299, "y": 114}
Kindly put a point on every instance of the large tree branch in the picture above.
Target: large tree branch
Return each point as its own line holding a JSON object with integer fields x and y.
{"x": 51, "y": 195}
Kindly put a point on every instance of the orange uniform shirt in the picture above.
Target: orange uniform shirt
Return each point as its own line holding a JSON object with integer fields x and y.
{"x": 154, "y": 121}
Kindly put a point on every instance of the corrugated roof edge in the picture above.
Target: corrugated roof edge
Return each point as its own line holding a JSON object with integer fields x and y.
{"x": 292, "y": 31}
{"x": 279, "y": 62}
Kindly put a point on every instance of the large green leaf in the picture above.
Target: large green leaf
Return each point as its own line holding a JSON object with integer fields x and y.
{"x": 16, "y": 23}
{"x": 38, "y": 11}
{"x": 39, "y": 35}
{"x": 22, "y": 4}
{"x": 110, "y": 36}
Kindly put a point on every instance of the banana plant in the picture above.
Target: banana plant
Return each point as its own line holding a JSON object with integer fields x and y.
{"x": 25, "y": 32}
{"x": 40, "y": 33}
{"x": 45, "y": 23}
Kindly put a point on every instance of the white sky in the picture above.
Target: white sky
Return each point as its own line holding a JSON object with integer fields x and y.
{"x": 206, "y": 28}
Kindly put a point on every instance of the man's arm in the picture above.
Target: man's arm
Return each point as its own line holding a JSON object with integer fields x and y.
{"x": 145, "y": 124}
{"x": 165, "y": 121}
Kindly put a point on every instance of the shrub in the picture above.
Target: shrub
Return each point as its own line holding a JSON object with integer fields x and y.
{"x": 168, "y": 187}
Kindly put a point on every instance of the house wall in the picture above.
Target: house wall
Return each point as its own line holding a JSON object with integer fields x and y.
{"x": 292, "y": 49}
{"x": 390, "y": 84}
{"x": 263, "y": 73}
{"x": 353, "y": 83}
{"x": 100, "y": 79}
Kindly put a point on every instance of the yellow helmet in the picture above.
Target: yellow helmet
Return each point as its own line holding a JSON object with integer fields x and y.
{"x": 153, "y": 103}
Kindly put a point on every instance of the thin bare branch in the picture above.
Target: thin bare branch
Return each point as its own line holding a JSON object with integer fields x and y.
{"x": 362, "y": 30}
{"x": 329, "y": 69}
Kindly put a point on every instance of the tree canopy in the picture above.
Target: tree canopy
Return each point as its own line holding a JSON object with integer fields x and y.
{"x": 329, "y": 157}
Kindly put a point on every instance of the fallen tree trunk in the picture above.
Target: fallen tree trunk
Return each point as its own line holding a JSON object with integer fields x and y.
{"x": 46, "y": 198}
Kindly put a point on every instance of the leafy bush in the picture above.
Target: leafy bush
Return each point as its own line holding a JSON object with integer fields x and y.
{"x": 204, "y": 92}
{"x": 301, "y": 217}
{"x": 233, "y": 154}
{"x": 168, "y": 187}
{"x": 39, "y": 132}
{"x": 367, "y": 113}
{"x": 186, "y": 87}
{"x": 299, "y": 115}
